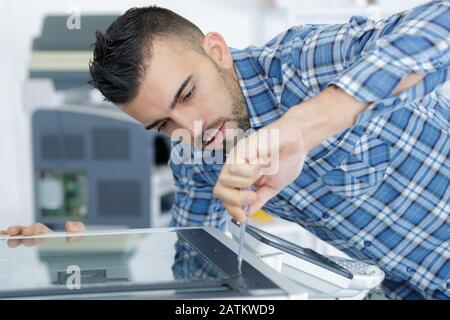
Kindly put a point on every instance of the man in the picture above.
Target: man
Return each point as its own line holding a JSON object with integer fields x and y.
{"x": 363, "y": 148}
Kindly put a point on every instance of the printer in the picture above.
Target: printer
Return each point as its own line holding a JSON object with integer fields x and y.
{"x": 90, "y": 162}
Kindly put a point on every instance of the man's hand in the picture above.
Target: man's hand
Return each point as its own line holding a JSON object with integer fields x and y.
{"x": 299, "y": 130}
{"x": 269, "y": 160}
{"x": 39, "y": 229}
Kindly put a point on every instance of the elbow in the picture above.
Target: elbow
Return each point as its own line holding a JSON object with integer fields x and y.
{"x": 409, "y": 82}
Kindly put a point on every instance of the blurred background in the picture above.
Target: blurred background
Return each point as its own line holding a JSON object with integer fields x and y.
{"x": 64, "y": 154}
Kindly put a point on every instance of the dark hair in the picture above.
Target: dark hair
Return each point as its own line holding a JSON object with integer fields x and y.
{"x": 118, "y": 65}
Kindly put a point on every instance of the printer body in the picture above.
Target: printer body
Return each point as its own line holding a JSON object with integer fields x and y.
{"x": 89, "y": 161}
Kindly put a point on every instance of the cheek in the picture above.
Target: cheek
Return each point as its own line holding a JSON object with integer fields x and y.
{"x": 210, "y": 102}
{"x": 213, "y": 106}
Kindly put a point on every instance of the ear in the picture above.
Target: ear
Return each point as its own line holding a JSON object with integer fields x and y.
{"x": 217, "y": 49}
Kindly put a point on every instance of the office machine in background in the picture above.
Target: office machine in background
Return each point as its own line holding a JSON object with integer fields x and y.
{"x": 91, "y": 163}
{"x": 98, "y": 170}
{"x": 62, "y": 54}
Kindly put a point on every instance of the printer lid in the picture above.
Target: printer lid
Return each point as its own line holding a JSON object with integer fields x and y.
{"x": 182, "y": 263}
{"x": 62, "y": 54}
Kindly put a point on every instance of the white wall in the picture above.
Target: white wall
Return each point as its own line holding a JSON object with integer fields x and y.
{"x": 241, "y": 22}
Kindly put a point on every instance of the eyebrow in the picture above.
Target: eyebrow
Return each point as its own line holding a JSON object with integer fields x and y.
{"x": 173, "y": 104}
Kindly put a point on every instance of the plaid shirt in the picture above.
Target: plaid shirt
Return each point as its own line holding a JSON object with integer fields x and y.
{"x": 378, "y": 191}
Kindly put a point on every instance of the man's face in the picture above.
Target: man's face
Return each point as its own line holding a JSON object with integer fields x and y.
{"x": 184, "y": 89}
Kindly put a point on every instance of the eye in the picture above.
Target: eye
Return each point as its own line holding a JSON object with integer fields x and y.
{"x": 162, "y": 126}
{"x": 189, "y": 95}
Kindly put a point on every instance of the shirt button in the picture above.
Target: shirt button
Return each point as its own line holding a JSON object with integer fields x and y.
{"x": 448, "y": 285}
{"x": 438, "y": 64}
{"x": 326, "y": 216}
{"x": 410, "y": 270}
{"x": 398, "y": 101}
{"x": 367, "y": 244}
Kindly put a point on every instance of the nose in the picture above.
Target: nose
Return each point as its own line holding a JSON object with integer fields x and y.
{"x": 189, "y": 121}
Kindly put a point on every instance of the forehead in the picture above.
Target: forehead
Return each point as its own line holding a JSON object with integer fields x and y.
{"x": 169, "y": 62}
{"x": 169, "y": 65}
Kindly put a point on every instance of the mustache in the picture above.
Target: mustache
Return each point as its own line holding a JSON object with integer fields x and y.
{"x": 199, "y": 140}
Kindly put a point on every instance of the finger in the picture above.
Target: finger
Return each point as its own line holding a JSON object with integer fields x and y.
{"x": 75, "y": 226}
{"x": 237, "y": 213}
{"x": 237, "y": 156}
{"x": 3, "y": 233}
{"x": 262, "y": 181}
{"x": 14, "y": 231}
{"x": 244, "y": 170}
{"x": 237, "y": 182}
{"x": 252, "y": 149}
{"x": 261, "y": 147}
{"x": 233, "y": 197}
{"x": 14, "y": 243}
{"x": 29, "y": 231}
{"x": 32, "y": 242}
{"x": 35, "y": 229}
{"x": 73, "y": 240}
{"x": 264, "y": 194}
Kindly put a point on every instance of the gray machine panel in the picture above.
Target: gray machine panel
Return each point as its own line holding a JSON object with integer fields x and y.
{"x": 101, "y": 167}
{"x": 55, "y": 36}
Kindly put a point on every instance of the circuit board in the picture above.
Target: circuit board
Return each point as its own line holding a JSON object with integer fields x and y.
{"x": 62, "y": 193}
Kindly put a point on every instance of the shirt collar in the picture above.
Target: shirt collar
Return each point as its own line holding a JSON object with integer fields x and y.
{"x": 261, "y": 102}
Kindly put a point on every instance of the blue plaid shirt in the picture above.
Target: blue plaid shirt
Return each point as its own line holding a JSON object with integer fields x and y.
{"x": 378, "y": 191}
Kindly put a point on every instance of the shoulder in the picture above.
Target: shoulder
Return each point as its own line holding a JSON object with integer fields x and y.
{"x": 277, "y": 51}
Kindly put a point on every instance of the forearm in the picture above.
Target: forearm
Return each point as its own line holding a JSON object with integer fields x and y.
{"x": 419, "y": 43}
{"x": 324, "y": 116}
{"x": 333, "y": 111}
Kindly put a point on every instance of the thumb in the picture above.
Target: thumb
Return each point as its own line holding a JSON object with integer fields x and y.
{"x": 75, "y": 227}
{"x": 264, "y": 194}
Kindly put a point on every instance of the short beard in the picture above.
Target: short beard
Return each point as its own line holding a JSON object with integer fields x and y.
{"x": 239, "y": 111}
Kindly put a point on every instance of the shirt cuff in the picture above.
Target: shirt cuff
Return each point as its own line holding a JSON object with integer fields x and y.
{"x": 372, "y": 79}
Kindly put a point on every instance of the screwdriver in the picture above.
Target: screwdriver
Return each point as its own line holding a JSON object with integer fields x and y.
{"x": 243, "y": 226}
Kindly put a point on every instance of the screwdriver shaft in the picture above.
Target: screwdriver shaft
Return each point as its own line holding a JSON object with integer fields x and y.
{"x": 243, "y": 226}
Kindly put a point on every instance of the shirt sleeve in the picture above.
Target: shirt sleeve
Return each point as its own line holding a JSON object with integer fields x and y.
{"x": 416, "y": 41}
{"x": 195, "y": 204}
